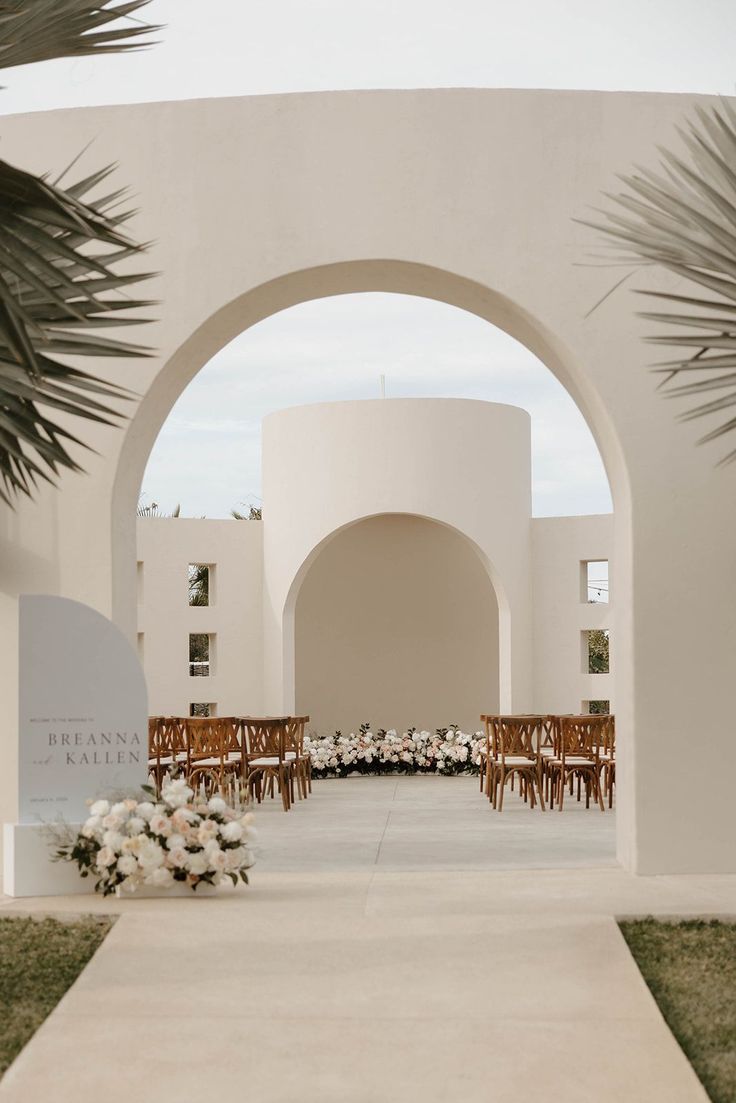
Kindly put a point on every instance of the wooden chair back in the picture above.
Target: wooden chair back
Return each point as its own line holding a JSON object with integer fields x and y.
{"x": 516, "y": 736}
{"x": 264, "y": 737}
{"x": 294, "y": 734}
{"x": 166, "y": 738}
{"x": 207, "y": 737}
{"x": 583, "y": 736}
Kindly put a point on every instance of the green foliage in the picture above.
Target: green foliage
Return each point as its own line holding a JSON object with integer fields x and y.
{"x": 255, "y": 513}
{"x": 39, "y": 960}
{"x": 690, "y": 968}
{"x": 683, "y": 219}
{"x": 199, "y": 584}
{"x": 153, "y": 509}
{"x": 598, "y": 652}
{"x": 39, "y": 30}
{"x": 60, "y": 251}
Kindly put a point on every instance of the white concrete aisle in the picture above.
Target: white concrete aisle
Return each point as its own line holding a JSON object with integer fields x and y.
{"x": 375, "y": 983}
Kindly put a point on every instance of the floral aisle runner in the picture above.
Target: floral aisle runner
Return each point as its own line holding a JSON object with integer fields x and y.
{"x": 445, "y": 751}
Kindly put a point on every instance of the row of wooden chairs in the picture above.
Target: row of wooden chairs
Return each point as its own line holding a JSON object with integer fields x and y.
{"x": 547, "y": 754}
{"x": 253, "y": 755}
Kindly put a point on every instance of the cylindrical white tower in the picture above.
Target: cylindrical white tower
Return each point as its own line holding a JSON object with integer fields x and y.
{"x": 463, "y": 464}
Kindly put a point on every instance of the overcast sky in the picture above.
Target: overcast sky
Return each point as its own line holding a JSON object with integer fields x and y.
{"x": 208, "y": 455}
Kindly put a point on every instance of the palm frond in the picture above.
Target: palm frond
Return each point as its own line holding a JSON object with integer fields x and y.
{"x": 39, "y": 30}
{"x": 153, "y": 509}
{"x": 59, "y": 288}
{"x": 683, "y": 218}
{"x": 255, "y": 513}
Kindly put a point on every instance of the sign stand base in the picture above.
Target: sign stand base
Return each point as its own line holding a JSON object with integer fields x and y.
{"x": 28, "y": 867}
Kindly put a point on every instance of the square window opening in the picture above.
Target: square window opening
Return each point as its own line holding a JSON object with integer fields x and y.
{"x": 201, "y": 579}
{"x": 594, "y": 581}
{"x": 200, "y": 654}
{"x": 595, "y": 651}
{"x": 203, "y": 709}
{"x": 596, "y": 708}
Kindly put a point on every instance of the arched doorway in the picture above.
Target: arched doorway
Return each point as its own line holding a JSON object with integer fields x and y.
{"x": 396, "y": 623}
{"x": 448, "y": 194}
{"x": 401, "y": 277}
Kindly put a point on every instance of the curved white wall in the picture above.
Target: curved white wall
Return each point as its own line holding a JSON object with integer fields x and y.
{"x": 465, "y": 464}
{"x": 396, "y": 624}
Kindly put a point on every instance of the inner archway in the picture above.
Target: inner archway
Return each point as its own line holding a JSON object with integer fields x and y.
{"x": 396, "y": 623}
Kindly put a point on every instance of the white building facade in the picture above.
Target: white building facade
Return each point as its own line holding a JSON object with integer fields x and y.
{"x": 469, "y": 197}
{"x": 397, "y": 577}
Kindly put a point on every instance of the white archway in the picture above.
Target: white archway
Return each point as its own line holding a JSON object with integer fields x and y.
{"x": 499, "y": 671}
{"x": 445, "y": 193}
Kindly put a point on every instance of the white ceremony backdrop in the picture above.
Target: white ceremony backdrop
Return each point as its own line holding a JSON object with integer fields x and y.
{"x": 465, "y": 196}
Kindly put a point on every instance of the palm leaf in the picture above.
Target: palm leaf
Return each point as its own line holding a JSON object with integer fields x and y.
{"x": 683, "y": 218}
{"x": 154, "y": 510}
{"x": 39, "y": 30}
{"x": 59, "y": 288}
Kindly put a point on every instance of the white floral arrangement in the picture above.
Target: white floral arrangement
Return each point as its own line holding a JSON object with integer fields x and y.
{"x": 177, "y": 838}
{"x": 445, "y": 751}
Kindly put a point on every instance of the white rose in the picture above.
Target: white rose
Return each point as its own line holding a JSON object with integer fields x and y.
{"x": 120, "y": 809}
{"x": 232, "y": 832}
{"x": 217, "y": 861}
{"x": 179, "y": 857}
{"x": 217, "y": 805}
{"x": 111, "y": 822}
{"x": 177, "y": 793}
{"x": 100, "y": 808}
{"x": 206, "y": 831}
{"x": 160, "y": 877}
{"x": 105, "y": 857}
{"x": 151, "y": 856}
{"x": 135, "y": 825}
{"x": 175, "y": 842}
{"x": 113, "y": 839}
{"x": 197, "y": 864}
{"x": 145, "y": 810}
{"x": 93, "y": 822}
{"x": 160, "y": 825}
{"x": 127, "y": 864}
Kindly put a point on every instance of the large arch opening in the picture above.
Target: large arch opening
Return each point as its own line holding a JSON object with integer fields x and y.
{"x": 406, "y": 278}
{"x": 396, "y": 623}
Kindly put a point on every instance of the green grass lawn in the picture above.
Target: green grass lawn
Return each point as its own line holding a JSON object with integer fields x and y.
{"x": 690, "y": 968}
{"x": 39, "y": 960}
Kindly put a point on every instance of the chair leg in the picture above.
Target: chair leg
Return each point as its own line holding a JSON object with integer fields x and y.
{"x": 284, "y": 784}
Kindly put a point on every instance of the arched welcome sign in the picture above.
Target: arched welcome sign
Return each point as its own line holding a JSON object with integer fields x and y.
{"x": 83, "y": 732}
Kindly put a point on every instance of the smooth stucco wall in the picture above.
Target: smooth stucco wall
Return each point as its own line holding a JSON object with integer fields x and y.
{"x": 166, "y": 547}
{"x": 396, "y": 624}
{"x": 559, "y": 546}
{"x": 463, "y": 195}
{"x": 463, "y": 463}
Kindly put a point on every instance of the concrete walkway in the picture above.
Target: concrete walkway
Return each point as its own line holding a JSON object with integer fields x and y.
{"x": 380, "y": 955}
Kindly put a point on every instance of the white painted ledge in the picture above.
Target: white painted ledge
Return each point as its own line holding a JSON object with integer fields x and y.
{"x": 28, "y": 868}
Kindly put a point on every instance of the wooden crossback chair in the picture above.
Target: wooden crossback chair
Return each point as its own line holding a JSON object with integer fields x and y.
{"x": 266, "y": 763}
{"x": 209, "y": 741}
{"x": 514, "y": 752}
{"x": 300, "y": 763}
{"x": 578, "y": 758}
{"x": 167, "y": 753}
{"x": 486, "y": 753}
